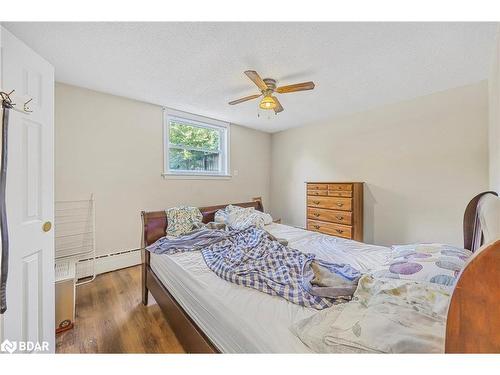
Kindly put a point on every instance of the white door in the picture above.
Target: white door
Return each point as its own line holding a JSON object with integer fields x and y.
{"x": 29, "y": 319}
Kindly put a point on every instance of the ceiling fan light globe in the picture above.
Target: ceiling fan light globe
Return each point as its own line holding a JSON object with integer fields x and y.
{"x": 267, "y": 103}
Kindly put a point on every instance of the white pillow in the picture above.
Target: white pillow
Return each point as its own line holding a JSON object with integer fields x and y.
{"x": 241, "y": 218}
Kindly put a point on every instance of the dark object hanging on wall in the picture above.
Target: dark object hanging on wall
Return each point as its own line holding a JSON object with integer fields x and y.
{"x": 4, "y": 266}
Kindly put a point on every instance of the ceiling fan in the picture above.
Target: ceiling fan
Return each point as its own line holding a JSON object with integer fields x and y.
{"x": 267, "y": 87}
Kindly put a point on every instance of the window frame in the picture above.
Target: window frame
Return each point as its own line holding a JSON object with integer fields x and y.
{"x": 203, "y": 122}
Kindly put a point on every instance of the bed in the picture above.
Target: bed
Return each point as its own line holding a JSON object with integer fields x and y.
{"x": 210, "y": 315}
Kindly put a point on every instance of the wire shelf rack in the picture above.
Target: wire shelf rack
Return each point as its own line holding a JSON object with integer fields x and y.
{"x": 75, "y": 233}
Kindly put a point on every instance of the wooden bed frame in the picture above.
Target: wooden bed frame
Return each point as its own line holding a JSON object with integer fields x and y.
{"x": 473, "y": 324}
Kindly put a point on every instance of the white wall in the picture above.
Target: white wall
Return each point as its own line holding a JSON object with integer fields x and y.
{"x": 422, "y": 161}
{"x": 112, "y": 146}
{"x": 494, "y": 119}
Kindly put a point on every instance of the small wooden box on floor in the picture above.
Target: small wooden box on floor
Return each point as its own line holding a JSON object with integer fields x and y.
{"x": 65, "y": 273}
{"x": 335, "y": 208}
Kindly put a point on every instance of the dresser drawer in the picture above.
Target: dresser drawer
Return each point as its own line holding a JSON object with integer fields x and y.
{"x": 338, "y": 230}
{"x": 340, "y": 217}
{"x": 340, "y": 193}
{"x": 340, "y": 187}
{"x": 317, "y": 192}
{"x": 344, "y": 204}
{"x": 317, "y": 186}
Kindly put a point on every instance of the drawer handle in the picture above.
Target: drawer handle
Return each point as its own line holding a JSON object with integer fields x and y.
{"x": 340, "y": 204}
{"x": 339, "y": 230}
{"x": 316, "y": 226}
{"x": 316, "y": 202}
{"x": 316, "y": 214}
{"x": 339, "y": 218}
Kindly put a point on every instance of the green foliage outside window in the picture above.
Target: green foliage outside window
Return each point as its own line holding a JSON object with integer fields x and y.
{"x": 193, "y": 136}
{"x": 193, "y": 148}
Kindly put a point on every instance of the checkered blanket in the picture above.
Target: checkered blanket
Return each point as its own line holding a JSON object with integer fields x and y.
{"x": 251, "y": 258}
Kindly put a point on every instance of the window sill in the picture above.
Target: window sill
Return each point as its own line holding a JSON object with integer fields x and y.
{"x": 182, "y": 176}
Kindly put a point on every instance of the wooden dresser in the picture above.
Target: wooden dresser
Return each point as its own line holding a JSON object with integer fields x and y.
{"x": 335, "y": 208}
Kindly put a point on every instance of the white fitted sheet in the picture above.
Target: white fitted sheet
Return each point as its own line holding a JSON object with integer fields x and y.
{"x": 242, "y": 320}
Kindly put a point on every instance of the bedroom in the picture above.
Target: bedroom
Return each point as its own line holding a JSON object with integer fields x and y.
{"x": 167, "y": 183}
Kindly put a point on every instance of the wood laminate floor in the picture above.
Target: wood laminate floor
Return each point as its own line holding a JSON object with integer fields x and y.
{"x": 110, "y": 318}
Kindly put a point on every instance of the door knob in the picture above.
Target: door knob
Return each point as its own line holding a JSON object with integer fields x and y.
{"x": 46, "y": 226}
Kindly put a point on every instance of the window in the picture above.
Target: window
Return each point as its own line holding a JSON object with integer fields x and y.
{"x": 195, "y": 145}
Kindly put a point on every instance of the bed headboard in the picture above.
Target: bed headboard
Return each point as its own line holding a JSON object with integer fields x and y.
{"x": 155, "y": 223}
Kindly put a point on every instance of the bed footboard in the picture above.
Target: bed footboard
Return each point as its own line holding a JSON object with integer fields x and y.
{"x": 473, "y": 324}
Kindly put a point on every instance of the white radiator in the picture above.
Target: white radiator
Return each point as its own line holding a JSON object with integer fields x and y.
{"x": 108, "y": 262}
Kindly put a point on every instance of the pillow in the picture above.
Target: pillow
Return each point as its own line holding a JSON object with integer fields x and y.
{"x": 221, "y": 215}
{"x": 241, "y": 218}
{"x": 434, "y": 263}
{"x": 182, "y": 220}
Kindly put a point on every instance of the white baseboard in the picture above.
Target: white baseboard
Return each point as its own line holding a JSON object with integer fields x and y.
{"x": 109, "y": 262}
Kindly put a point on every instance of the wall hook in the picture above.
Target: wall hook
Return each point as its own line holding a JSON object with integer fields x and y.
{"x": 26, "y": 107}
{"x": 6, "y": 101}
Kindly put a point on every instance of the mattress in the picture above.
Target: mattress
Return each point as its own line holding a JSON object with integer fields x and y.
{"x": 242, "y": 320}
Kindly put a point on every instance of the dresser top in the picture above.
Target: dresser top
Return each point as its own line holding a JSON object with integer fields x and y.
{"x": 333, "y": 182}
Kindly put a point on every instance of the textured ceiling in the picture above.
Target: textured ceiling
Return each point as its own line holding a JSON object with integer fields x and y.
{"x": 198, "y": 67}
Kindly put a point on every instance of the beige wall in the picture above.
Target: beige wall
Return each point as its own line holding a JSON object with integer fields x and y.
{"x": 494, "y": 120}
{"x": 112, "y": 146}
{"x": 422, "y": 160}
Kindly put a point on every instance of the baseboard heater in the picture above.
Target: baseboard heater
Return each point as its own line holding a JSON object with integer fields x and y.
{"x": 108, "y": 262}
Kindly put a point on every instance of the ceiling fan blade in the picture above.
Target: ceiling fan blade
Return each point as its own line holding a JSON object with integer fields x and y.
{"x": 238, "y": 101}
{"x": 296, "y": 87}
{"x": 279, "y": 108}
{"x": 254, "y": 76}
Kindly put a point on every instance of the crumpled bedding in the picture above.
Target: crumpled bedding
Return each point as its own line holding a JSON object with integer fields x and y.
{"x": 251, "y": 258}
{"x": 385, "y": 316}
{"x": 192, "y": 241}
